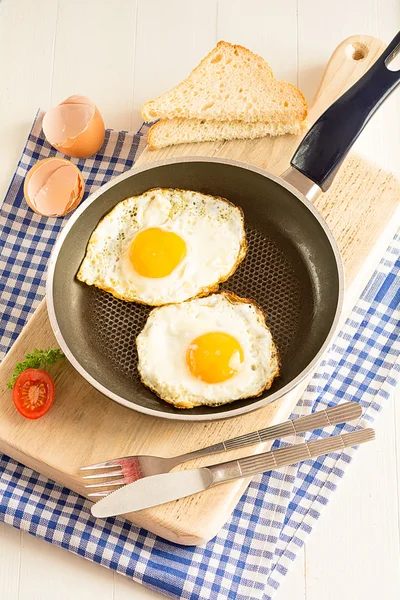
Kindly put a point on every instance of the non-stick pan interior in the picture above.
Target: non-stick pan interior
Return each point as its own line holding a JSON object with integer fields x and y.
{"x": 290, "y": 270}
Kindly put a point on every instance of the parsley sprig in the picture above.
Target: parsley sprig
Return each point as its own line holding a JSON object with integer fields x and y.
{"x": 38, "y": 359}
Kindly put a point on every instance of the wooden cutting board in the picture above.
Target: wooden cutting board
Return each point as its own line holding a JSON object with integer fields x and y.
{"x": 85, "y": 427}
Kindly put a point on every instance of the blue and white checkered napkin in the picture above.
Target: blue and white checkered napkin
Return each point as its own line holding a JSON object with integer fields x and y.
{"x": 254, "y": 550}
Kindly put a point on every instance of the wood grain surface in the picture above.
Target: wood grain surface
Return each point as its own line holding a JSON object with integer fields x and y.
{"x": 85, "y": 427}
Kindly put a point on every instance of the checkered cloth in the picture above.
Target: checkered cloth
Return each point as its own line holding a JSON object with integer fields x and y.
{"x": 249, "y": 557}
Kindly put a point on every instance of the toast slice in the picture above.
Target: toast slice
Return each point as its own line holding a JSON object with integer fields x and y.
{"x": 230, "y": 84}
{"x": 169, "y": 132}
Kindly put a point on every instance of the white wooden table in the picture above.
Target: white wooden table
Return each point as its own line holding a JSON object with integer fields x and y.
{"x": 120, "y": 54}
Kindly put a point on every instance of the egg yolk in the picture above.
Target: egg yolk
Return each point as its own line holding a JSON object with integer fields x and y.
{"x": 156, "y": 253}
{"x": 214, "y": 357}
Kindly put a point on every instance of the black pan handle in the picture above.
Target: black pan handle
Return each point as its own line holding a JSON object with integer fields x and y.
{"x": 327, "y": 143}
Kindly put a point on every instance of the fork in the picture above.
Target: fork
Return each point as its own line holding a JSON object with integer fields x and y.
{"x": 131, "y": 468}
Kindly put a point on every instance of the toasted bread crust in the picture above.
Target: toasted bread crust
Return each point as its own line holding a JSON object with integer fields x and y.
{"x": 170, "y": 132}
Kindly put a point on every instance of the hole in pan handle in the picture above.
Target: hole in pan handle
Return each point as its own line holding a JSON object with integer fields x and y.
{"x": 327, "y": 143}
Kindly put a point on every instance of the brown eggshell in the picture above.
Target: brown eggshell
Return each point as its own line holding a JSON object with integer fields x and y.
{"x": 54, "y": 187}
{"x": 75, "y": 127}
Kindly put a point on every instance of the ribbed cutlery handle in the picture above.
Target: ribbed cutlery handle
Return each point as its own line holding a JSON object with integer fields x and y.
{"x": 318, "y": 420}
{"x": 283, "y": 457}
{"x": 323, "y": 418}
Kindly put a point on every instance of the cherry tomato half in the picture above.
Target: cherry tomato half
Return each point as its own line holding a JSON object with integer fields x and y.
{"x": 33, "y": 393}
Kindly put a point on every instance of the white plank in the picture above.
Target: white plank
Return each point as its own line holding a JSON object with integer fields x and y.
{"x": 388, "y": 24}
{"x": 126, "y": 589}
{"x": 10, "y": 552}
{"x": 397, "y": 443}
{"x": 26, "y": 62}
{"x": 354, "y": 551}
{"x": 49, "y": 572}
{"x": 294, "y": 584}
{"x": 257, "y": 25}
{"x": 94, "y": 54}
{"x": 317, "y": 39}
{"x": 320, "y": 32}
{"x": 169, "y": 43}
{"x": 171, "y": 39}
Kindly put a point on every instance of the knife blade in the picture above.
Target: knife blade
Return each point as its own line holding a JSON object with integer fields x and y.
{"x": 159, "y": 489}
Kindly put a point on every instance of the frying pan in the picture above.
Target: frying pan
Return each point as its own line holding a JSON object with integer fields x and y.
{"x": 293, "y": 268}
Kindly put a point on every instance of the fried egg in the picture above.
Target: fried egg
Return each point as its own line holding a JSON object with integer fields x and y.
{"x": 209, "y": 351}
{"x": 165, "y": 246}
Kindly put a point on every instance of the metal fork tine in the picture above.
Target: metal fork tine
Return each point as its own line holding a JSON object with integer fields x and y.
{"x": 103, "y": 465}
{"x": 104, "y": 475}
{"x": 106, "y": 484}
{"x": 98, "y": 494}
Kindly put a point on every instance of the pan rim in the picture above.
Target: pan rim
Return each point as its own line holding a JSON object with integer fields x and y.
{"x": 185, "y": 416}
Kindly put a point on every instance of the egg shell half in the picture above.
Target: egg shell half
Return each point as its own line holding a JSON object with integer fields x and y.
{"x": 75, "y": 127}
{"x": 54, "y": 187}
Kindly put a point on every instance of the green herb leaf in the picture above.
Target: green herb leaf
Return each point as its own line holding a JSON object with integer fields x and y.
{"x": 38, "y": 359}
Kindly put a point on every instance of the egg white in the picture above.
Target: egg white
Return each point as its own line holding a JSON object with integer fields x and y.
{"x": 169, "y": 331}
{"x": 211, "y": 227}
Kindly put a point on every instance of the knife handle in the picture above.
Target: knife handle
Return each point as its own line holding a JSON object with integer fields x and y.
{"x": 323, "y": 418}
{"x": 275, "y": 459}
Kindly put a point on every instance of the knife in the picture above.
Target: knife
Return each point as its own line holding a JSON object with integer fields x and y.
{"x": 159, "y": 489}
